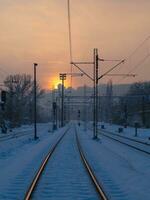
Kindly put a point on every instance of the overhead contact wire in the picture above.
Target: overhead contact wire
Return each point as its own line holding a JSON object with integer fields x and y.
{"x": 70, "y": 39}
{"x": 140, "y": 62}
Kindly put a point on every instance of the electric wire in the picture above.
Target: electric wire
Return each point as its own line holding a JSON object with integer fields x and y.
{"x": 70, "y": 38}
{"x": 112, "y": 68}
{"x": 139, "y": 64}
{"x": 138, "y": 47}
{"x": 3, "y": 71}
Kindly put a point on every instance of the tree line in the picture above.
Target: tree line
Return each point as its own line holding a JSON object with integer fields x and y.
{"x": 18, "y": 108}
{"x": 131, "y": 108}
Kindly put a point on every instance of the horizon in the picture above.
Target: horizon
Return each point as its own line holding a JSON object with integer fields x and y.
{"x": 38, "y": 32}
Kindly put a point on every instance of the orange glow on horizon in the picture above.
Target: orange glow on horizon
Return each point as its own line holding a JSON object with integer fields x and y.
{"x": 55, "y": 81}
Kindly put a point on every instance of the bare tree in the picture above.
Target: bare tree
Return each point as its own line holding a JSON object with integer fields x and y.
{"x": 19, "y": 106}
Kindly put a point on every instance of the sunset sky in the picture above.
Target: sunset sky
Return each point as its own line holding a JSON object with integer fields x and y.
{"x": 37, "y": 31}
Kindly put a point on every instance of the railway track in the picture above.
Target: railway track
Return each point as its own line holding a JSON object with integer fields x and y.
{"x": 41, "y": 169}
{"x": 37, "y": 179}
{"x": 125, "y": 137}
{"x": 15, "y": 135}
{"x": 135, "y": 144}
{"x": 91, "y": 172}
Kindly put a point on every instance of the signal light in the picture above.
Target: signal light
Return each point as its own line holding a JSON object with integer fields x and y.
{"x": 3, "y": 96}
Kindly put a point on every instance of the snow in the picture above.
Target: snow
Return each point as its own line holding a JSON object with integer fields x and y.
{"x": 20, "y": 159}
{"x": 124, "y": 172}
{"x": 65, "y": 176}
{"x": 16, "y": 132}
{"x": 143, "y": 134}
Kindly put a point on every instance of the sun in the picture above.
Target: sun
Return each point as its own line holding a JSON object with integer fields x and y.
{"x": 54, "y": 81}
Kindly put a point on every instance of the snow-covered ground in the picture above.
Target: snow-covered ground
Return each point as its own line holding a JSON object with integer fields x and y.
{"x": 16, "y": 130}
{"x": 21, "y": 131}
{"x": 142, "y": 133}
{"x": 123, "y": 171}
{"x": 19, "y": 160}
{"x": 65, "y": 177}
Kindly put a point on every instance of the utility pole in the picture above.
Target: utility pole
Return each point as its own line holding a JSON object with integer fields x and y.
{"x": 96, "y": 94}
{"x": 143, "y": 111}
{"x": 57, "y": 111}
{"x": 76, "y": 64}
{"x": 79, "y": 115}
{"x": 95, "y": 80}
{"x": 59, "y": 106}
{"x": 68, "y": 109}
{"x": 125, "y": 115}
{"x": 62, "y": 77}
{"x": 85, "y": 109}
{"x": 35, "y": 110}
{"x": 108, "y": 102}
{"x": 3, "y": 103}
{"x": 54, "y": 116}
{"x": 54, "y": 110}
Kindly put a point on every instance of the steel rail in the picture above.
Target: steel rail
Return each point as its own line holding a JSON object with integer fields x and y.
{"x": 14, "y": 135}
{"x": 125, "y": 137}
{"x": 129, "y": 145}
{"x": 90, "y": 171}
{"x": 132, "y": 146}
{"x": 34, "y": 183}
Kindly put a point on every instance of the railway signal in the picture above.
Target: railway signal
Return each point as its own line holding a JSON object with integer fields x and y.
{"x": 62, "y": 78}
{"x": 79, "y": 117}
{"x": 54, "y": 116}
{"x": 3, "y": 96}
{"x": 3, "y": 99}
{"x": 35, "y": 102}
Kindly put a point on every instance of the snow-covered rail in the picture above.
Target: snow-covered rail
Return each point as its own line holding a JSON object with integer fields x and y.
{"x": 135, "y": 144}
{"x": 15, "y": 135}
{"x": 128, "y": 138}
{"x": 41, "y": 169}
{"x": 65, "y": 173}
{"x": 96, "y": 183}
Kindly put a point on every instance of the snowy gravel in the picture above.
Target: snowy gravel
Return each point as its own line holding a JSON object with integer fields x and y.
{"x": 143, "y": 134}
{"x": 65, "y": 177}
{"x": 145, "y": 147}
{"x": 20, "y": 159}
{"x": 123, "y": 171}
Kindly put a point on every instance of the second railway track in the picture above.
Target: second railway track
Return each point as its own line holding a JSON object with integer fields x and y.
{"x": 15, "y": 135}
{"x": 134, "y": 144}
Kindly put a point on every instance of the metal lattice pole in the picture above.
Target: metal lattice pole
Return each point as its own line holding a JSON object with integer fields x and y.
{"x": 96, "y": 94}
{"x": 35, "y": 110}
{"x": 62, "y": 77}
